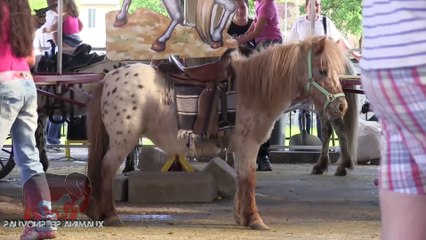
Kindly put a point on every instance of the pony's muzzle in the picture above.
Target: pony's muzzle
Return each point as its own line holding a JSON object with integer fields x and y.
{"x": 338, "y": 108}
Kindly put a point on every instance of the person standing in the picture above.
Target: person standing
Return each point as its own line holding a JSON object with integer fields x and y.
{"x": 53, "y": 130}
{"x": 265, "y": 31}
{"x": 71, "y": 25}
{"x": 18, "y": 111}
{"x": 301, "y": 30}
{"x": 41, "y": 39}
{"x": 241, "y": 22}
{"x": 393, "y": 69}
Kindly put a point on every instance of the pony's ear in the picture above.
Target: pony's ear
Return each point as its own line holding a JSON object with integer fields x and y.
{"x": 320, "y": 46}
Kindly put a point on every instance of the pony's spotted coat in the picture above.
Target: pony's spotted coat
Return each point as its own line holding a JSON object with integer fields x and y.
{"x": 267, "y": 83}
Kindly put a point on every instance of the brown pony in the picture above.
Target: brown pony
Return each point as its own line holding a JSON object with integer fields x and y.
{"x": 133, "y": 101}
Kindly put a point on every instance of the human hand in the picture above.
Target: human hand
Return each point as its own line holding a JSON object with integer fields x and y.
{"x": 356, "y": 55}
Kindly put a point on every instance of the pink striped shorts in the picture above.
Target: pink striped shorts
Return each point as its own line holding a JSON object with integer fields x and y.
{"x": 398, "y": 97}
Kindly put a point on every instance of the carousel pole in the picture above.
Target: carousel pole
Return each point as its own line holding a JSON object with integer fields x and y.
{"x": 60, "y": 40}
{"x": 185, "y": 12}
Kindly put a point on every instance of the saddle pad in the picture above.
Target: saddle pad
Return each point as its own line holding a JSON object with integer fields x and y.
{"x": 187, "y": 107}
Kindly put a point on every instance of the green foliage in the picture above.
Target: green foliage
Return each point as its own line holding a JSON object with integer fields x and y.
{"x": 154, "y": 5}
{"x": 346, "y": 14}
{"x": 37, "y": 4}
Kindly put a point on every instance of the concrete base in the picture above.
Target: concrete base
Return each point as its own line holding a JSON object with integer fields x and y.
{"x": 225, "y": 176}
{"x": 304, "y": 138}
{"x": 299, "y": 156}
{"x": 171, "y": 187}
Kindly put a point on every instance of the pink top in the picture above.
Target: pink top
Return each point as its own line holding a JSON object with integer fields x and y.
{"x": 8, "y": 61}
{"x": 71, "y": 25}
{"x": 268, "y": 9}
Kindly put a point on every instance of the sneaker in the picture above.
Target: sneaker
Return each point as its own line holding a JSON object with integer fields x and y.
{"x": 53, "y": 149}
{"x": 32, "y": 233}
{"x": 39, "y": 233}
{"x": 263, "y": 163}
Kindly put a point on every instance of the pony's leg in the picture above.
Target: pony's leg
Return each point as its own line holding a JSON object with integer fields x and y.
{"x": 40, "y": 136}
{"x": 110, "y": 165}
{"x": 121, "y": 18}
{"x": 324, "y": 159}
{"x": 175, "y": 12}
{"x": 216, "y": 33}
{"x": 245, "y": 209}
{"x": 345, "y": 159}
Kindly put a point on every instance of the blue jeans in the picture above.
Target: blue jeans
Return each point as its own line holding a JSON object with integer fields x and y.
{"x": 308, "y": 122}
{"x": 18, "y": 116}
{"x": 53, "y": 130}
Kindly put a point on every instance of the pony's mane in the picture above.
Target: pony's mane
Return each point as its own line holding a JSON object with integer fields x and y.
{"x": 279, "y": 73}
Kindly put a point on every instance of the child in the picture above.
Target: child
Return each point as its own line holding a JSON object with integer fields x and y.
{"x": 71, "y": 25}
{"x": 265, "y": 29}
{"x": 18, "y": 115}
{"x": 241, "y": 22}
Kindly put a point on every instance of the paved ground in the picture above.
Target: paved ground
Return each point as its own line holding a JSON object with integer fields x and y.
{"x": 293, "y": 203}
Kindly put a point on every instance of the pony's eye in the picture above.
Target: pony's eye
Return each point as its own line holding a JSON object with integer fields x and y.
{"x": 323, "y": 71}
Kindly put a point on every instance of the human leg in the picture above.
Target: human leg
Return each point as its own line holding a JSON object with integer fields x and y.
{"x": 319, "y": 129}
{"x": 22, "y": 100}
{"x": 411, "y": 210}
{"x": 398, "y": 97}
{"x": 263, "y": 163}
{"x": 304, "y": 120}
{"x": 54, "y": 131}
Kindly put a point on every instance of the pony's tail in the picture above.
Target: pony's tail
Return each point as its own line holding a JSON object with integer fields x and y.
{"x": 350, "y": 121}
{"x": 98, "y": 139}
{"x": 203, "y": 19}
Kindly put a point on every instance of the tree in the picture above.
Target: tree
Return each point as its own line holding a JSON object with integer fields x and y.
{"x": 346, "y": 14}
{"x": 37, "y": 4}
{"x": 154, "y": 5}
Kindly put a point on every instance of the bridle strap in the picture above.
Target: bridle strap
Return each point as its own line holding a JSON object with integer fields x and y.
{"x": 311, "y": 82}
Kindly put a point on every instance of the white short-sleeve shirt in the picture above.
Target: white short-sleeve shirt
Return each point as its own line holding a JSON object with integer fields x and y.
{"x": 302, "y": 29}
{"x": 41, "y": 38}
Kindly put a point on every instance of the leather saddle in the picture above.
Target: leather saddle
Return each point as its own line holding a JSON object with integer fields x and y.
{"x": 81, "y": 57}
{"x": 212, "y": 77}
{"x": 174, "y": 70}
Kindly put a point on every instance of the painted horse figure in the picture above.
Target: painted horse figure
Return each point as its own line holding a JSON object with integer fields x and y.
{"x": 206, "y": 11}
{"x": 130, "y": 102}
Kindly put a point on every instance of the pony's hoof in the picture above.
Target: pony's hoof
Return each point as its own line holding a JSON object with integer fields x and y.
{"x": 317, "y": 170}
{"x": 216, "y": 44}
{"x": 341, "y": 172}
{"x": 259, "y": 226}
{"x": 120, "y": 22}
{"x": 90, "y": 212}
{"x": 158, "y": 46}
{"x": 114, "y": 221}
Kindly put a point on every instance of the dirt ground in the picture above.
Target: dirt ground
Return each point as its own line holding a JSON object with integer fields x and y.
{"x": 295, "y": 204}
